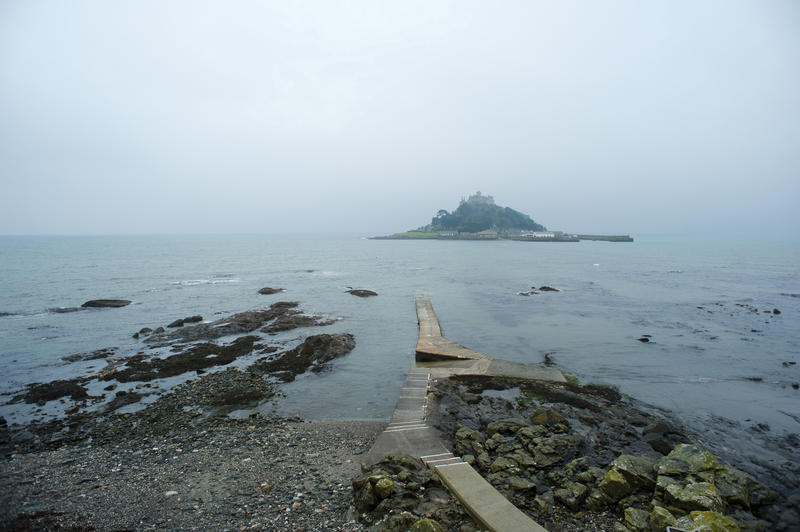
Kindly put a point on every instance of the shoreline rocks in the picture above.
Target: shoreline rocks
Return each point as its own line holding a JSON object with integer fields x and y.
{"x": 586, "y": 453}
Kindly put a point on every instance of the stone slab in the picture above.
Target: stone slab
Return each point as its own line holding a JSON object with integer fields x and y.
{"x": 484, "y": 503}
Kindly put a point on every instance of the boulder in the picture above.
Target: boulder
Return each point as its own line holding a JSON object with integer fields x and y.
{"x": 637, "y": 519}
{"x": 571, "y": 495}
{"x": 697, "y": 496}
{"x": 639, "y": 471}
{"x": 688, "y": 459}
{"x": 106, "y": 303}
{"x": 268, "y": 290}
{"x": 361, "y": 293}
{"x": 660, "y": 519}
{"x": 707, "y": 522}
{"x": 384, "y": 487}
{"x": 614, "y": 485}
{"x": 547, "y": 416}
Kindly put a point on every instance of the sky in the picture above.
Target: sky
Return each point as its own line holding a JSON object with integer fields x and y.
{"x": 662, "y": 117}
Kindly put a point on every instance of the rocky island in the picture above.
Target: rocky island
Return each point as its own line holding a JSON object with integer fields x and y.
{"x": 479, "y": 218}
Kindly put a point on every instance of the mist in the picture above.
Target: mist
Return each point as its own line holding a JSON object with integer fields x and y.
{"x": 217, "y": 117}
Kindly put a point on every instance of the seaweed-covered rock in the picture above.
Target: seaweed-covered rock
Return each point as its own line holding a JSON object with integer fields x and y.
{"x": 314, "y": 354}
{"x": 547, "y": 416}
{"x": 426, "y": 525}
{"x": 400, "y": 493}
{"x": 571, "y": 495}
{"x": 639, "y": 471}
{"x": 660, "y": 518}
{"x": 505, "y": 426}
{"x": 707, "y": 522}
{"x": 637, "y": 519}
{"x": 615, "y": 486}
{"x": 693, "y": 497}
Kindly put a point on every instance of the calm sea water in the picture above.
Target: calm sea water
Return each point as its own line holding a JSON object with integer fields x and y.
{"x": 723, "y": 361}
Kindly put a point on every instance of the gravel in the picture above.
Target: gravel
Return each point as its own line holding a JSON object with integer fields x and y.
{"x": 251, "y": 474}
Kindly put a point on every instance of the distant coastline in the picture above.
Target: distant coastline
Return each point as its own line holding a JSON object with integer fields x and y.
{"x": 549, "y": 236}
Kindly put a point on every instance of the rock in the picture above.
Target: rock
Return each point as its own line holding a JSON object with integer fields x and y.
{"x": 659, "y": 442}
{"x": 548, "y": 289}
{"x": 547, "y": 416}
{"x": 176, "y": 323}
{"x": 776, "y": 311}
{"x": 643, "y": 340}
{"x": 637, "y": 519}
{"x": 639, "y": 471}
{"x": 598, "y": 500}
{"x": 614, "y": 485}
{"x": 707, "y": 522}
{"x": 22, "y": 436}
{"x": 193, "y": 319}
{"x": 384, "y": 487}
{"x": 48, "y": 391}
{"x": 361, "y": 293}
{"x": 106, "y": 303}
{"x": 196, "y": 357}
{"x": 467, "y": 441}
{"x": 698, "y": 496}
{"x": 426, "y": 525}
{"x": 267, "y": 290}
{"x": 687, "y": 458}
{"x": 571, "y": 495}
{"x": 661, "y": 518}
{"x": 314, "y": 354}
{"x": 505, "y": 426}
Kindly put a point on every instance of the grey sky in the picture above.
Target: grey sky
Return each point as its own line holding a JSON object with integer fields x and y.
{"x": 154, "y": 116}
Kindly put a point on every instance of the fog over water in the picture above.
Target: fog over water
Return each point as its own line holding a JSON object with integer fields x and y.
{"x": 175, "y": 117}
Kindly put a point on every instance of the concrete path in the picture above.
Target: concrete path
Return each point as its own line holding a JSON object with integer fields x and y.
{"x": 407, "y": 431}
{"x": 445, "y": 357}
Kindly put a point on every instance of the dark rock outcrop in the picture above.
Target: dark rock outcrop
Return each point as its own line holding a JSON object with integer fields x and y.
{"x": 241, "y": 323}
{"x": 361, "y": 292}
{"x": 106, "y": 303}
{"x": 268, "y": 290}
{"x": 313, "y": 353}
{"x": 196, "y": 357}
{"x": 40, "y": 393}
{"x": 184, "y": 321}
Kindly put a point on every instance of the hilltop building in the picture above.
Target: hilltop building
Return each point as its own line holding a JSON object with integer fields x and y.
{"x": 478, "y": 199}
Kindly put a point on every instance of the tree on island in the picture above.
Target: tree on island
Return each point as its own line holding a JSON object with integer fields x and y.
{"x": 479, "y": 213}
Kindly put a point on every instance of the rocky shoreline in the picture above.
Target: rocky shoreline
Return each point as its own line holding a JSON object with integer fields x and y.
{"x": 574, "y": 457}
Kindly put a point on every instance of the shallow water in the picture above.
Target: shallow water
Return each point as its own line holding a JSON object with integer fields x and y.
{"x": 722, "y": 360}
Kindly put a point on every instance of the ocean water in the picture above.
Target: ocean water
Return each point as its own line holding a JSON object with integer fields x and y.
{"x": 715, "y": 356}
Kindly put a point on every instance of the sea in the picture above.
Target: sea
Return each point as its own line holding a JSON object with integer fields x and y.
{"x": 722, "y": 317}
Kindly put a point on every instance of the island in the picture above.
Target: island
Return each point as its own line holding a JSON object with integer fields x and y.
{"x": 480, "y": 218}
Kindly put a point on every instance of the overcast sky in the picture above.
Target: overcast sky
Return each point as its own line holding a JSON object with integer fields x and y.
{"x": 237, "y": 116}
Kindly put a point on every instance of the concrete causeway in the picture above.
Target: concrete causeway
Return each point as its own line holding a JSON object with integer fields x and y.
{"x": 408, "y": 432}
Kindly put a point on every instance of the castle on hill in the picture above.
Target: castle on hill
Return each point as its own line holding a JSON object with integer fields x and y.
{"x": 478, "y": 199}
